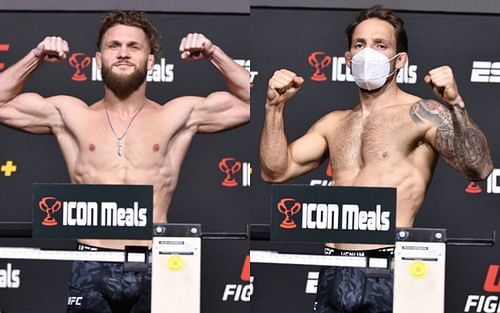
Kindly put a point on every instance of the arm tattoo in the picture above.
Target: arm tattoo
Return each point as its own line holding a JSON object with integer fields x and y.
{"x": 459, "y": 140}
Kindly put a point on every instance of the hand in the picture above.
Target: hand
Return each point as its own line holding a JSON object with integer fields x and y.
{"x": 443, "y": 84}
{"x": 52, "y": 49}
{"x": 195, "y": 46}
{"x": 282, "y": 86}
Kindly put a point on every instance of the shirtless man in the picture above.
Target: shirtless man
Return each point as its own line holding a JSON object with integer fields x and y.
{"x": 124, "y": 138}
{"x": 390, "y": 139}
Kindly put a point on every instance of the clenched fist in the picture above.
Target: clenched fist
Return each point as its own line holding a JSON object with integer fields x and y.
{"x": 444, "y": 86}
{"x": 282, "y": 86}
{"x": 52, "y": 49}
{"x": 195, "y": 46}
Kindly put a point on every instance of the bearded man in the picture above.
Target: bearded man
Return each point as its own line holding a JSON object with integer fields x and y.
{"x": 124, "y": 138}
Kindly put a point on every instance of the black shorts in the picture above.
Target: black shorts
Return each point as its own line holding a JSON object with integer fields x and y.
{"x": 100, "y": 287}
{"x": 354, "y": 289}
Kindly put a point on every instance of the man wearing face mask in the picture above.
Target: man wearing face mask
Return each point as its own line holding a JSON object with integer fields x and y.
{"x": 390, "y": 139}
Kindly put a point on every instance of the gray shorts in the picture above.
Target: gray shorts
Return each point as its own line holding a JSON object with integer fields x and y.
{"x": 355, "y": 290}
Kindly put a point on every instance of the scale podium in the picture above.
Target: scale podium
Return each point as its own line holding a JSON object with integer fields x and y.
{"x": 419, "y": 270}
{"x": 363, "y": 215}
{"x": 176, "y": 268}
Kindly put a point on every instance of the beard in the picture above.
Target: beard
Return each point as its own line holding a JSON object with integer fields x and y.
{"x": 123, "y": 84}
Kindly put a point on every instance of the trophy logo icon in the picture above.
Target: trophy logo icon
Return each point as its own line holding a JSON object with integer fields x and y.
{"x": 49, "y": 205}
{"x": 288, "y": 207}
{"x": 79, "y": 61}
{"x": 473, "y": 187}
{"x": 319, "y": 60}
{"x": 229, "y": 166}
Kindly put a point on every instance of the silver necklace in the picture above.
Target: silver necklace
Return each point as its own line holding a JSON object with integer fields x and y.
{"x": 119, "y": 139}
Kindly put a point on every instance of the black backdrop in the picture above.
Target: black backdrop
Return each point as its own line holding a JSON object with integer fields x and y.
{"x": 200, "y": 196}
{"x": 273, "y": 39}
{"x": 286, "y": 38}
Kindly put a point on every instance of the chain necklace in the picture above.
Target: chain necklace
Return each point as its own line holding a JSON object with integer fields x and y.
{"x": 119, "y": 139}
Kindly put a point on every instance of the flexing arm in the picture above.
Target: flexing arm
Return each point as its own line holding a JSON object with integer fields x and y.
{"x": 453, "y": 133}
{"x": 29, "y": 111}
{"x": 223, "y": 109}
{"x": 280, "y": 161}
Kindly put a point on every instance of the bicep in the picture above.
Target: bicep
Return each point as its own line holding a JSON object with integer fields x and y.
{"x": 30, "y": 112}
{"x": 219, "y": 111}
{"x": 307, "y": 152}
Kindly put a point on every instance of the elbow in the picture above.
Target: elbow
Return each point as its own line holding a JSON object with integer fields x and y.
{"x": 246, "y": 113}
{"x": 486, "y": 171}
{"x": 271, "y": 178}
{"x": 481, "y": 173}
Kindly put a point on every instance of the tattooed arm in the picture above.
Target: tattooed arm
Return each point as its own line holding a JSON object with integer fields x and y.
{"x": 451, "y": 130}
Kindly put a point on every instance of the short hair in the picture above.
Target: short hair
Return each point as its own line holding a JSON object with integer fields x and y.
{"x": 131, "y": 18}
{"x": 383, "y": 14}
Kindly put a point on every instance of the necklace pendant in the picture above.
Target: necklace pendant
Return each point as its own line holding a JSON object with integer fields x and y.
{"x": 119, "y": 146}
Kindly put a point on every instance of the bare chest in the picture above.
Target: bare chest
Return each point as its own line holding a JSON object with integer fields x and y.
{"x": 382, "y": 137}
{"x": 105, "y": 145}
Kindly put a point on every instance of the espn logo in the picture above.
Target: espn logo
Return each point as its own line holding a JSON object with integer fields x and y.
{"x": 485, "y": 72}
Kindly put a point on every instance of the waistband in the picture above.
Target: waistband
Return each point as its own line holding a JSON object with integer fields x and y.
{"x": 83, "y": 247}
{"x": 138, "y": 257}
{"x": 374, "y": 253}
{"x": 382, "y": 258}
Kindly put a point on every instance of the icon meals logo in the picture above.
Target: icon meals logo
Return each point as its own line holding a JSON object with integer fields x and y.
{"x": 288, "y": 207}
{"x": 88, "y": 213}
{"x": 319, "y": 60}
{"x": 333, "y": 216}
{"x": 49, "y": 210}
{"x": 79, "y": 61}
{"x": 230, "y": 167}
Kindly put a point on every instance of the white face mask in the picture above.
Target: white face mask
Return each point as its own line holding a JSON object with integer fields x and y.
{"x": 371, "y": 68}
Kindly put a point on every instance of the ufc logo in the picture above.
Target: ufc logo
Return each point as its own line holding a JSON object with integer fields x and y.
{"x": 77, "y": 301}
{"x": 312, "y": 282}
{"x": 491, "y": 282}
{"x": 485, "y": 72}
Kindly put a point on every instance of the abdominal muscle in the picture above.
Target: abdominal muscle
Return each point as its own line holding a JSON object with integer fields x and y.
{"x": 163, "y": 187}
{"x": 410, "y": 184}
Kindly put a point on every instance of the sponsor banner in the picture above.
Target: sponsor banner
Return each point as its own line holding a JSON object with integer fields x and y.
{"x": 10, "y": 277}
{"x": 485, "y": 72}
{"x": 92, "y": 211}
{"x": 246, "y": 64}
{"x": 333, "y": 214}
{"x": 4, "y": 47}
{"x": 236, "y": 173}
{"x": 322, "y": 63}
{"x": 243, "y": 290}
{"x": 489, "y": 301}
{"x": 162, "y": 72}
{"x": 8, "y": 168}
{"x": 492, "y": 184}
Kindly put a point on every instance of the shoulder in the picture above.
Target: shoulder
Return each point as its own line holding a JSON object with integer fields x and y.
{"x": 183, "y": 103}
{"x": 334, "y": 116}
{"x": 429, "y": 104}
{"x": 429, "y": 110}
{"x": 331, "y": 120}
{"x": 337, "y": 116}
{"x": 67, "y": 102}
